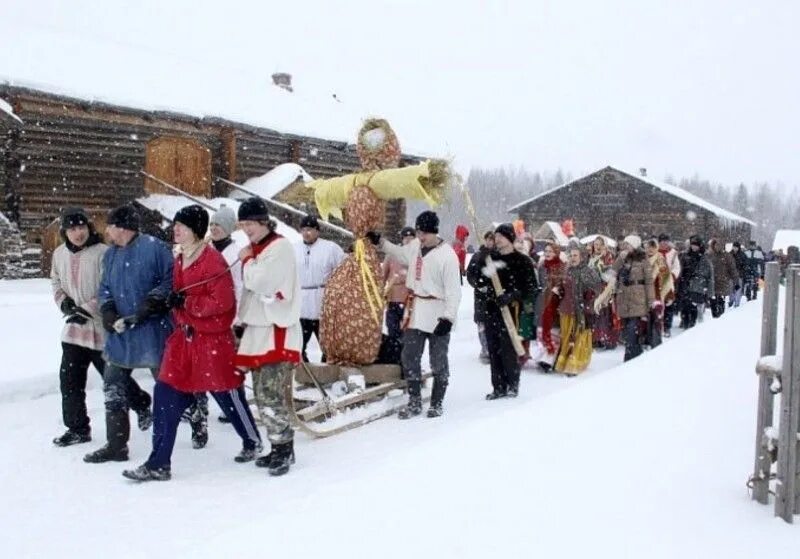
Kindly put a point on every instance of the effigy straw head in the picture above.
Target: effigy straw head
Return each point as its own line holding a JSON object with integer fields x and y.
{"x": 377, "y": 146}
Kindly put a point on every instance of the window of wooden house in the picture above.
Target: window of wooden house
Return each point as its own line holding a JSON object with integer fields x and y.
{"x": 182, "y": 162}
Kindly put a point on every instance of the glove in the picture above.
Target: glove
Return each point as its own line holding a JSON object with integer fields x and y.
{"x": 504, "y": 299}
{"x": 656, "y": 305}
{"x": 152, "y": 305}
{"x": 78, "y": 319}
{"x": 374, "y": 237}
{"x": 443, "y": 328}
{"x": 110, "y": 316}
{"x": 238, "y": 331}
{"x": 68, "y": 306}
{"x": 176, "y": 300}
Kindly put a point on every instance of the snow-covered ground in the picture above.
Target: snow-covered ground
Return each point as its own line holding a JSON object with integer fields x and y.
{"x": 646, "y": 459}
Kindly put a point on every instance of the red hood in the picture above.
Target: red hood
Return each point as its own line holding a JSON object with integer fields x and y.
{"x": 462, "y": 233}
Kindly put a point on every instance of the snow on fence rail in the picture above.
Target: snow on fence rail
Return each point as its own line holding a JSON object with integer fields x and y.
{"x": 779, "y": 376}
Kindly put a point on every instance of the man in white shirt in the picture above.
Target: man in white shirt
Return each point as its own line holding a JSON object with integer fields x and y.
{"x": 316, "y": 260}
{"x": 434, "y": 280}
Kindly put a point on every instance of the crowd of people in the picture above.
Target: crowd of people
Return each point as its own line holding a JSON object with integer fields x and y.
{"x": 570, "y": 302}
{"x": 203, "y": 314}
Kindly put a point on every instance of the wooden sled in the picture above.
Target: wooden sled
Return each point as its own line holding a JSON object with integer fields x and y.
{"x": 326, "y": 400}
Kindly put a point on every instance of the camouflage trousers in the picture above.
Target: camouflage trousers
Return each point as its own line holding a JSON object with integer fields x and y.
{"x": 268, "y": 384}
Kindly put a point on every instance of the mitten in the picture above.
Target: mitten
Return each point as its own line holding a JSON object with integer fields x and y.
{"x": 443, "y": 328}
{"x": 176, "y": 300}
{"x": 68, "y": 306}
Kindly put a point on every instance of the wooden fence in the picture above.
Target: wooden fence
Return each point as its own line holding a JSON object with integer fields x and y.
{"x": 779, "y": 379}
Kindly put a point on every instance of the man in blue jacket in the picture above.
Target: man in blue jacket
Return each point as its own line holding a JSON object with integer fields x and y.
{"x": 136, "y": 280}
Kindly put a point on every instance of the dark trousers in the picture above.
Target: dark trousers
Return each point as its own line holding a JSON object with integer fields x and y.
{"x": 394, "y": 319}
{"x": 122, "y": 393}
{"x": 169, "y": 405}
{"x": 689, "y": 313}
{"x": 630, "y": 335}
{"x": 502, "y": 356}
{"x": 669, "y": 313}
{"x": 310, "y": 327}
{"x": 717, "y": 306}
{"x": 411, "y": 358}
{"x": 75, "y": 361}
{"x": 751, "y": 289}
{"x": 653, "y": 330}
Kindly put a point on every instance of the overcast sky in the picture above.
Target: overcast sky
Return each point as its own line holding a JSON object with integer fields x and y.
{"x": 708, "y": 87}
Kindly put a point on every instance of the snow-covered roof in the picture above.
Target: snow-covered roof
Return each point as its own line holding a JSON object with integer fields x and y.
{"x": 271, "y": 183}
{"x": 168, "y": 205}
{"x": 7, "y": 109}
{"x": 668, "y": 188}
{"x": 46, "y": 60}
{"x": 551, "y": 229}
{"x": 784, "y": 238}
{"x": 590, "y": 239}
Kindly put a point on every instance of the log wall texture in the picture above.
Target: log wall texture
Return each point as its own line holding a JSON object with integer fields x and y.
{"x": 616, "y": 204}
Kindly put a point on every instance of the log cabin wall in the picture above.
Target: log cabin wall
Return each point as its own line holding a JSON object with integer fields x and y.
{"x": 616, "y": 204}
{"x": 71, "y": 152}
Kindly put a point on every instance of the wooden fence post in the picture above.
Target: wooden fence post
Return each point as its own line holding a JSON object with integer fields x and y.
{"x": 769, "y": 342}
{"x": 785, "y": 501}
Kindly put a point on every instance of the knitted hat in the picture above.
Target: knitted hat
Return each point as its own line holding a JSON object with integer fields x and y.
{"x": 737, "y": 244}
{"x": 125, "y": 217}
{"x": 506, "y": 230}
{"x": 634, "y": 241}
{"x": 663, "y": 237}
{"x": 225, "y": 218}
{"x": 428, "y": 222}
{"x": 73, "y": 217}
{"x": 696, "y": 240}
{"x": 309, "y": 221}
{"x": 407, "y": 232}
{"x": 253, "y": 209}
{"x": 194, "y": 217}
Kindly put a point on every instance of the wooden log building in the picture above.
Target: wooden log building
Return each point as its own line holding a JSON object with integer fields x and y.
{"x": 616, "y": 203}
{"x": 72, "y": 152}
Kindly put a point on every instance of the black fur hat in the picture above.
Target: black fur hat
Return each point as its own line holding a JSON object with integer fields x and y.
{"x": 253, "y": 209}
{"x": 309, "y": 221}
{"x": 73, "y": 217}
{"x": 195, "y": 217}
{"x": 506, "y": 230}
{"x": 428, "y": 222}
{"x": 125, "y": 217}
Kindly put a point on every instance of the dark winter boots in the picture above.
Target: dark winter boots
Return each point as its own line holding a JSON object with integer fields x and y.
{"x": 437, "y": 398}
{"x": 72, "y": 437}
{"x": 496, "y": 394}
{"x": 281, "y": 458}
{"x": 118, "y": 427}
{"x": 414, "y": 406}
{"x": 107, "y": 454}
{"x": 246, "y": 455}
{"x": 145, "y": 473}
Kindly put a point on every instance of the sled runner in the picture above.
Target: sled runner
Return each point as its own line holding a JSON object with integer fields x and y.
{"x": 326, "y": 400}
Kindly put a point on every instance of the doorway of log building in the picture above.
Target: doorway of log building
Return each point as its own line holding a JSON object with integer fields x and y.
{"x": 182, "y": 162}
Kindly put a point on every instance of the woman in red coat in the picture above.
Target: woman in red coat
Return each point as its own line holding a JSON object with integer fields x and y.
{"x": 200, "y": 352}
